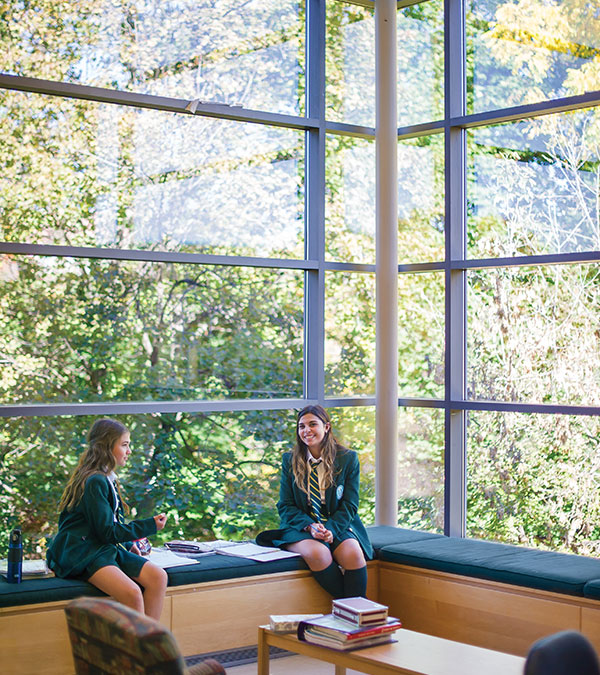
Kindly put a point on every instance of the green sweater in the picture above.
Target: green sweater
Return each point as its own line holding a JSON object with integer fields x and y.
{"x": 90, "y": 531}
{"x": 341, "y": 502}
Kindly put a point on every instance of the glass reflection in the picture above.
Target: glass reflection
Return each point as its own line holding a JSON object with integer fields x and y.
{"x": 350, "y": 199}
{"x": 350, "y": 73}
{"x": 526, "y": 51}
{"x": 420, "y": 30}
{"x": 221, "y": 51}
{"x": 421, "y": 199}
{"x": 533, "y": 186}
{"x": 132, "y": 178}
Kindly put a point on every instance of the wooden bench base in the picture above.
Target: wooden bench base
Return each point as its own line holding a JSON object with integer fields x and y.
{"x": 487, "y": 614}
{"x": 205, "y": 617}
{"x": 221, "y": 615}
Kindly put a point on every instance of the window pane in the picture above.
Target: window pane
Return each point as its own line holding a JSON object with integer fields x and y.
{"x": 421, "y": 335}
{"x": 80, "y": 330}
{"x": 350, "y": 200}
{"x": 102, "y": 175}
{"x": 421, "y": 468}
{"x": 350, "y": 65}
{"x": 533, "y": 334}
{"x": 355, "y": 429}
{"x": 421, "y": 199}
{"x": 525, "y": 51}
{"x": 533, "y": 186}
{"x": 228, "y": 52}
{"x": 349, "y": 334}
{"x": 216, "y": 475}
{"x": 421, "y": 63}
{"x": 533, "y": 480}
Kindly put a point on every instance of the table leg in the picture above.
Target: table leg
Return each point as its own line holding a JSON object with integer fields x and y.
{"x": 340, "y": 670}
{"x": 263, "y": 653}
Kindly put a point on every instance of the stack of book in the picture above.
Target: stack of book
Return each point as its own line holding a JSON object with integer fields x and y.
{"x": 353, "y": 623}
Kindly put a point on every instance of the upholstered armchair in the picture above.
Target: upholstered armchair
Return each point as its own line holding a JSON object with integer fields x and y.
{"x": 109, "y": 638}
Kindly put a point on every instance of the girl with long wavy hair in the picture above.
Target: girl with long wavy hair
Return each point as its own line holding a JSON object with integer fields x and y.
{"x": 318, "y": 507}
{"x": 93, "y": 542}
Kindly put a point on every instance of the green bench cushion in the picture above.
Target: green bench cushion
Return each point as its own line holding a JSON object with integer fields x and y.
{"x": 546, "y": 570}
{"x": 386, "y": 535}
{"x": 50, "y": 589}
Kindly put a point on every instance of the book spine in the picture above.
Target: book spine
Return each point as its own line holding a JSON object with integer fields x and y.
{"x": 375, "y": 630}
{"x": 348, "y": 616}
{"x": 358, "y": 619}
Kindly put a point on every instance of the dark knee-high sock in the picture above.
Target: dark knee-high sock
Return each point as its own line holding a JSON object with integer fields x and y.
{"x": 331, "y": 580}
{"x": 355, "y": 582}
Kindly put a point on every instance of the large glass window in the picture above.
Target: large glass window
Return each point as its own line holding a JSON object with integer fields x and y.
{"x": 350, "y": 199}
{"x": 421, "y": 199}
{"x": 421, "y": 335}
{"x": 88, "y": 330}
{"x": 421, "y": 468}
{"x": 349, "y": 334}
{"x": 533, "y": 334}
{"x": 533, "y": 480}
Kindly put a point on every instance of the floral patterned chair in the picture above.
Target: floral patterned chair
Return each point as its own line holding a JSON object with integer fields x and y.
{"x": 107, "y": 637}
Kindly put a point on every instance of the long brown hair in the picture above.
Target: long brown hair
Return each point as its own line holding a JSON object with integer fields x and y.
{"x": 329, "y": 448}
{"x": 96, "y": 458}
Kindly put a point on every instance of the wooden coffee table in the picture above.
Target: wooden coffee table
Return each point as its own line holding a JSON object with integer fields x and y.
{"x": 411, "y": 654}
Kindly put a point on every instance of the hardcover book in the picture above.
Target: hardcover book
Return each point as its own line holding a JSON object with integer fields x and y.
{"x": 338, "y": 630}
{"x": 360, "y": 611}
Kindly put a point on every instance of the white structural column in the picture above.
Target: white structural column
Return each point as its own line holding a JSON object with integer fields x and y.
{"x": 386, "y": 510}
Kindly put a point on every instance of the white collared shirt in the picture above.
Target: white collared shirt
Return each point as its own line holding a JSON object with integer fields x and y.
{"x": 112, "y": 477}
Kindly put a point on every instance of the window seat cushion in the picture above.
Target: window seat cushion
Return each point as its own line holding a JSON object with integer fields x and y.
{"x": 208, "y": 568}
{"x": 545, "y": 570}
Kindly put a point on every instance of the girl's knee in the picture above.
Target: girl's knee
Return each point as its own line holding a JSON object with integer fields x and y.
{"x": 154, "y": 577}
{"x": 319, "y": 557}
{"x": 349, "y": 556}
{"x": 131, "y": 596}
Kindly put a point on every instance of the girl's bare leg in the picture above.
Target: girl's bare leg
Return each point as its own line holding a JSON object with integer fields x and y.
{"x": 154, "y": 581}
{"x": 113, "y": 581}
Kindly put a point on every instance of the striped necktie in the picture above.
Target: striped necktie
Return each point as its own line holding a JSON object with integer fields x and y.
{"x": 315, "y": 492}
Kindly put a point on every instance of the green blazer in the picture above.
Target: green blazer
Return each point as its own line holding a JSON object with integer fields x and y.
{"x": 341, "y": 503}
{"x": 89, "y": 531}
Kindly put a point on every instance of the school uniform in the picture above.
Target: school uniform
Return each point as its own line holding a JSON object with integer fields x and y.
{"x": 94, "y": 535}
{"x": 339, "y": 505}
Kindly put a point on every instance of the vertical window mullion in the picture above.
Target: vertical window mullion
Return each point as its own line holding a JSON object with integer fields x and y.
{"x": 455, "y": 180}
{"x": 314, "y": 224}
